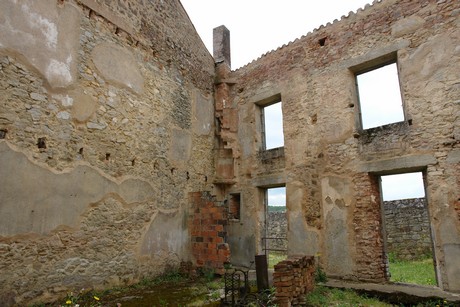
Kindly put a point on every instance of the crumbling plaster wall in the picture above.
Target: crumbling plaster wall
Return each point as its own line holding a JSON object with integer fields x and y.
{"x": 107, "y": 123}
{"x": 331, "y": 165}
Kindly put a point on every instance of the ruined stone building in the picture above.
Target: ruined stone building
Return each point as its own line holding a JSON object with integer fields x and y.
{"x": 126, "y": 148}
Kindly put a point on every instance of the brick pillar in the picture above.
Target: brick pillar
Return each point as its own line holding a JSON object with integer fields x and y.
{"x": 368, "y": 229}
{"x": 208, "y": 232}
{"x": 293, "y": 279}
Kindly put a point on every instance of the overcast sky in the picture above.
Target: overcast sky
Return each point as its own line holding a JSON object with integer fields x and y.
{"x": 259, "y": 26}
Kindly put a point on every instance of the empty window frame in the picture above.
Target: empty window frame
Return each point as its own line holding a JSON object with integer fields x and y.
{"x": 272, "y": 125}
{"x": 379, "y": 96}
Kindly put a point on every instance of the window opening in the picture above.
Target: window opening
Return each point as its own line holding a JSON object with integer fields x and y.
{"x": 275, "y": 240}
{"x": 234, "y": 206}
{"x": 272, "y": 130}
{"x": 380, "y": 97}
{"x": 408, "y": 242}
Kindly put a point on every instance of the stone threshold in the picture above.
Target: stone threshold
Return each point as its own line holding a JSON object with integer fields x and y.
{"x": 397, "y": 292}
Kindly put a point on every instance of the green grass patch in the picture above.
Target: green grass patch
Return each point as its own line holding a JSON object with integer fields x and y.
{"x": 420, "y": 272}
{"x": 274, "y": 258}
{"x": 324, "y": 296}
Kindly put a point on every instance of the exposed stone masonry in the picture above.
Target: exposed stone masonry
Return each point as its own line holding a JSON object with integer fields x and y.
{"x": 122, "y": 141}
{"x": 407, "y": 228}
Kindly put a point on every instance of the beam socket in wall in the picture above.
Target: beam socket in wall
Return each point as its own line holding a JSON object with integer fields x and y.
{"x": 322, "y": 41}
{"x": 41, "y": 143}
{"x": 3, "y": 133}
{"x": 107, "y": 156}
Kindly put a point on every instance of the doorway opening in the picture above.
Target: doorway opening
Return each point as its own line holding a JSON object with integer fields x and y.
{"x": 407, "y": 230}
{"x": 275, "y": 234}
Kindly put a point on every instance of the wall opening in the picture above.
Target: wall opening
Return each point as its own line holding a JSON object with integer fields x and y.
{"x": 407, "y": 230}
{"x": 272, "y": 125}
{"x": 275, "y": 234}
{"x": 234, "y": 206}
{"x": 379, "y": 96}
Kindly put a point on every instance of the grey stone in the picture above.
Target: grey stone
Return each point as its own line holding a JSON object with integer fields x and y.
{"x": 98, "y": 126}
{"x": 38, "y": 97}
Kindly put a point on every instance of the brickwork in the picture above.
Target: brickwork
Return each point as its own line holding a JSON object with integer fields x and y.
{"x": 293, "y": 278}
{"x": 208, "y": 232}
{"x": 367, "y": 229}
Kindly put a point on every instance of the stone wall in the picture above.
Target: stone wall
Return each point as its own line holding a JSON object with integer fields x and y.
{"x": 107, "y": 124}
{"x": 277, "y": 228}
{"x": 114, "y": 112}
{"x": 330, "y": 164}
{"x": 407, "y": 228}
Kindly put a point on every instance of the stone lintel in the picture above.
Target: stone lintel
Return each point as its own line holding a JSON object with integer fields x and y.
{"x": 396, "y": 165}
{"x": 270, "y": 181}
{"x": 375, "y": 57}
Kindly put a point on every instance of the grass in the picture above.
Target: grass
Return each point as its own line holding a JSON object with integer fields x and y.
{"x": 324, "y": 296}
{"x": 420, "y": 272}
{"x": 274, "y": 258}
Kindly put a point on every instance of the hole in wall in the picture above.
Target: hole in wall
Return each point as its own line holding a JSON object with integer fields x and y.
{"x": 133, "y": 162}
{"x": 172, "y": 171}
{"x": 205, "y": 178}
{"x": 187, "y": 175}
{"x": 351, "y": 105}
{"x": 409, "y": 122}
{"x": 314, "y": 118}
{"x": 41, "y": 143}
{"x": 80, "y": 151}
{"x": 234, "y": 206}
{"x": 107, "y": 156}
{"x": 3, "y": 133}
{"x": 322, "y": 41}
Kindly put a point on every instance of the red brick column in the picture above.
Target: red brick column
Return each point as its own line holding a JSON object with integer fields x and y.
{"x": 293, "y": 279}
{"x": 368, "y": 229}
{"x": 208, "y": 233}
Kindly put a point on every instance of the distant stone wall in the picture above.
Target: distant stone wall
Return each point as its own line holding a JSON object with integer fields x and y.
{"x": 407, "y": 228}
{"x": 277, "y": 228}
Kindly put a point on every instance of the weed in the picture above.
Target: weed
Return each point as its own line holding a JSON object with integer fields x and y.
{"x": 320, "y": 275}
{"x": 207, "y": 273}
